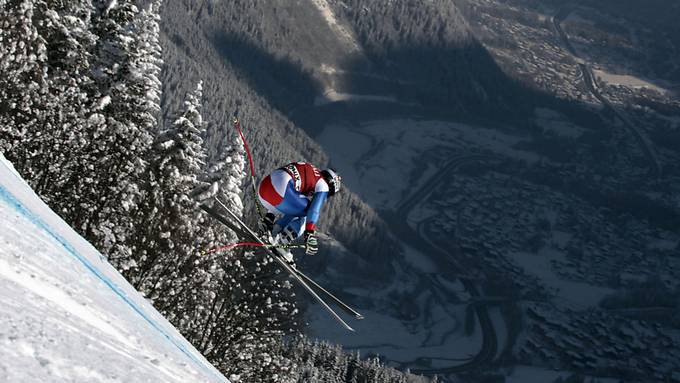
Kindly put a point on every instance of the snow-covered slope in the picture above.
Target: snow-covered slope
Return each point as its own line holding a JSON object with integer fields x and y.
{"x": 67, "y": 316}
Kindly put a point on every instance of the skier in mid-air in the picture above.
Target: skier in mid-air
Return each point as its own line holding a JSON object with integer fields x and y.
{"x": 296, "y": 192}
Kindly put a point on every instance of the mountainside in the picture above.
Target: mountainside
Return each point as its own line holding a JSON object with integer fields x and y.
{"x": 512, "y": 170}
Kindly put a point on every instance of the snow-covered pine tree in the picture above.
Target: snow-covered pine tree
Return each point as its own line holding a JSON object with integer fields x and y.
{"x": 226, "y": 173}
{"x": 126, "y": 70}
{"x": 169, "y": 237}
{"x": 224, "y": 178}
{"x": 253, "y": 312}
{"x": 145, "y": 67}
{"x": 323, "y": 362}
{"x": 45, "y": 53}
{"x": 23, "y": 81}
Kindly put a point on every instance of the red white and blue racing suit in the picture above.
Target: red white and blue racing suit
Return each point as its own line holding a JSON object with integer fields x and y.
{"x": 297, "y": 191}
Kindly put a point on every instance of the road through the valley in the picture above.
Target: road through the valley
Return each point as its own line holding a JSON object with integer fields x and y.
{"x": 447, "y": 259}
{"x": 591, "y": 84}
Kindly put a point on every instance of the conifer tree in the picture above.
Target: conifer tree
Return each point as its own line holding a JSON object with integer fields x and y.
{"x": 23, "y": 81}
{"x": 224, "y": 178}
{"x": 128, "y": 60}
{"x": 45, "y": 56}
{"x": 169, "y": 244}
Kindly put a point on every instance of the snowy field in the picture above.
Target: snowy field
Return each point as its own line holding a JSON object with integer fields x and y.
{"x": 404, "y": 342}
{"x": 383, "y": 160}
{"x": 556, "y": 123}
{"x": 627, "y": 81}
{"x": 426, "y": 328}
{"x": 575, "y": 295}
{"x": 67, "y": 315}
{"x": 331, "y": 96}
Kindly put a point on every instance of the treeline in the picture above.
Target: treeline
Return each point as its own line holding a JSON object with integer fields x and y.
{"x": 321, "y": 362}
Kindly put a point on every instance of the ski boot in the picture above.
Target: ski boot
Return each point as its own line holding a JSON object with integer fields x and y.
{"x": 284, "y": 237}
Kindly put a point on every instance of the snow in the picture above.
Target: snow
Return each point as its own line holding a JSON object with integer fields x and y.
{"x": 362, "y": 150}
{"x": 67, "y": 315}
{"x": 398, "y": 341}
{"x": 386, "y": 161}
{"x": 345, "y": 35}
{"x": 403, "y": 322}
{"x": 110, "y": 6}
{"x": 331, "y": 95}
{"x": 557, "y": 123}
{"x": 576, "y": 294}
{"x": 627, "y": 80}
{"x": 103, "y": 102}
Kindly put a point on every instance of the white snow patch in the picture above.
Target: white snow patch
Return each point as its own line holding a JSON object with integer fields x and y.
{"x": 378, "y": 158}
{"x": 627, "y": 80}
{"x": 399, "y": 341}
{"x": 331, "y": 96}
{"x": 557, "y": 123}
{"x": 576, "y": 294}
{"x": 40, "y": 289}
{"x": 345, "y": 35}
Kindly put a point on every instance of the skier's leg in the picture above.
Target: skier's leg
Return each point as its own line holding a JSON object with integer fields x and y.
{"x": 278, "y": 195}
{"x": 271, "y": 193}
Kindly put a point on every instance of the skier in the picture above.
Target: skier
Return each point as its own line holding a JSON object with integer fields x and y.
{"x": 297, "y": 193}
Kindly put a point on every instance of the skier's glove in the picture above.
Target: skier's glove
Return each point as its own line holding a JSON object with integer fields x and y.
{"x": 311, "y": 243}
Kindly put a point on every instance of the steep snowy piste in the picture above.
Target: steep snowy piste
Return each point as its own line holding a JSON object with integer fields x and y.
{"x": 67, "y": 315}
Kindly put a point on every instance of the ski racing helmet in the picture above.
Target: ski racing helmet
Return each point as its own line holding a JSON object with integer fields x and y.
{"x": 333, "y": 180}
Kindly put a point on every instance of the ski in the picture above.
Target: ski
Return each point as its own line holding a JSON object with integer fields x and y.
{"x": 335, "y": 299}
{"x": 215, "y": 214}
{"x": 275, "y": 253}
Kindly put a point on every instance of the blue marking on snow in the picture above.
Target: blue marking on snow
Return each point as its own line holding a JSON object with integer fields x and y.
{"x": 23, "y": 210}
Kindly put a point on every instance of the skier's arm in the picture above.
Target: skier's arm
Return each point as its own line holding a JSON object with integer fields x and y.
{"x": 314, "y": 209}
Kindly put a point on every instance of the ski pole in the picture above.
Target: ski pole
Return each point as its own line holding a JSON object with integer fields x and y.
{"x": 241, "y": 244}
{"x": 237, "y": 125}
